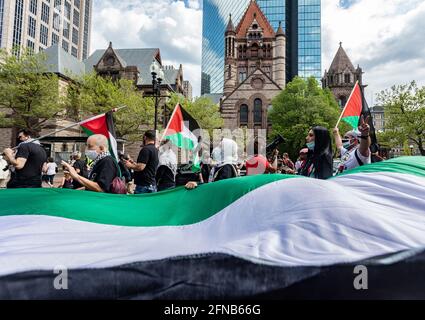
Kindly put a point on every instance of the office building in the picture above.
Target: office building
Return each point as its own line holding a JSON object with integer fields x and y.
{"x": 39, "y": 24}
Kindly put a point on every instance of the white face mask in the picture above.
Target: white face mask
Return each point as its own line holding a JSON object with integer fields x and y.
{"x": 91, "y": 154}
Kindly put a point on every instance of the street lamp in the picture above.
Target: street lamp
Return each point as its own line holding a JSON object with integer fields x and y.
{"x": 157, "y": 77}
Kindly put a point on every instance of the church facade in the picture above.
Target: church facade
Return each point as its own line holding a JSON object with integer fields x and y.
{"x": 254, "y": 71}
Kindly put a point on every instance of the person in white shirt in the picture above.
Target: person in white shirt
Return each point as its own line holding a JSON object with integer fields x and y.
{"x": 4, "y": 173}
{"x": 51, "y": 171}
{"x": 354, "y": 148}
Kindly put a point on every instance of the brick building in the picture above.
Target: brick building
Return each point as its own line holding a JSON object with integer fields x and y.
{"x": 254, "y": 71}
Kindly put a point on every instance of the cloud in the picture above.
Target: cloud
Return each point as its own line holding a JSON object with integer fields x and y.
{"x": 383, "y": 36}
{"x": 173, "y": 26}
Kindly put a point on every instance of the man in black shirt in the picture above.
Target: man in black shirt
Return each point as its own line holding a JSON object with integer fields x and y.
{"x": 104, "y": 169}
{"x": 29, "y": 162}
{"x": 146, "y": 165}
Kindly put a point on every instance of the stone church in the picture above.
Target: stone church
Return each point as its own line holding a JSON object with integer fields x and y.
{"x": 342, "y": 76}
{"x": 254, "y": 70}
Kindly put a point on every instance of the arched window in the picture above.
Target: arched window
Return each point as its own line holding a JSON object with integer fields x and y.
{"x": 243, "y": 115}
{"x": 258, "y": 111}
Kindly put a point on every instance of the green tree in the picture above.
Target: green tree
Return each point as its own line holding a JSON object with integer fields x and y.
{"x": 29, "y": 96}
{"x": 203, "y": 110}
{"x": 93, "y": 94}
{"x": 302, "y": 105}
{"x": 404, "y": 107}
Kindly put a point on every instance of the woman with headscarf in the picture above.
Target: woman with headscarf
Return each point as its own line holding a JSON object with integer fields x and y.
{"x": 319, "y": 163}
{"x": 167, "y": 170}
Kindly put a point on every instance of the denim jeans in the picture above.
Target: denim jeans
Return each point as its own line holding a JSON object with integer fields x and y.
{"x": 145, "y": 189}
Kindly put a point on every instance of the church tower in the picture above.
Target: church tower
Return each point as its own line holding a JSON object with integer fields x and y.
{"x": 279, "y": 49}
{"x": 342, "y": 76}
{"x": 230, "y": 71}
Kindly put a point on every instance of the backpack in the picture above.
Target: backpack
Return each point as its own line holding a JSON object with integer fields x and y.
{"x": 118, "y": 185}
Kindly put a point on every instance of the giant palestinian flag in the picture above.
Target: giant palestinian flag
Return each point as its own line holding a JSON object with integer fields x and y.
{"x": 354, "y": 107}
{"x": 266, "y": 236}
{"x": 102, "y": 124}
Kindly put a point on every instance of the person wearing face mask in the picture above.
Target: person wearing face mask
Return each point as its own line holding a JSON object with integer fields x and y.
{"x": 319, "y": 162}
{"x": 28, "y": 163}
{"x": 355, "y": 147}
{"x": 146, "y": 165}
{"x": 104, "y": 169}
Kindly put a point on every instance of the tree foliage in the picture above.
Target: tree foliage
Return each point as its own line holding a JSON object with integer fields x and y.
{"x": 302, "y": 105}
{"x": 404, "y": 107}
{"x": 29, "y": 96}
{"x": 93, "y": 94}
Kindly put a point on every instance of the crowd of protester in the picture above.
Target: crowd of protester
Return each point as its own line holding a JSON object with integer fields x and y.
{"x": 155, "y": 168}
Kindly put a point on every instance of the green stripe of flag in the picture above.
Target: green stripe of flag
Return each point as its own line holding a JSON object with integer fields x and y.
{"x": 353, "y": 121}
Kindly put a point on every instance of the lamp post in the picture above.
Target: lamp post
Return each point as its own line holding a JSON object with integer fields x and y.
{"x": 157, "y": 77}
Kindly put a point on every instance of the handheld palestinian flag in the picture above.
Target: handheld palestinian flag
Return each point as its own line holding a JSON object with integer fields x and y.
{"x": 354, "y": 107}
{"x": 238, "y": 238}
{"x": 180, "y": 131}
{"x": 102, "y": 124}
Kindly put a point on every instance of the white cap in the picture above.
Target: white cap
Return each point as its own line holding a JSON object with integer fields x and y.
{"x": 354, "y": 133}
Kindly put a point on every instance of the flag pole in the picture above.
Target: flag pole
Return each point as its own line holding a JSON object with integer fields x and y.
{"x": 169, "y": 122}
{"x": 73, "y": 125}
{"x": 346, "y": 105}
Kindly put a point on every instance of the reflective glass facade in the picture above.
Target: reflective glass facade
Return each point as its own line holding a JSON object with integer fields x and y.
{"x": 302, "y": 24}
{"x": 309, "y": 39}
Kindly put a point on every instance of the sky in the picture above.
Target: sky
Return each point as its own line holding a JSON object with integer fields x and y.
{"x": 384, "y": 37}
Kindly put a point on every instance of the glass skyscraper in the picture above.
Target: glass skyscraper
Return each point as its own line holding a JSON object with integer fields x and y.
{"x": 301, "y": 20}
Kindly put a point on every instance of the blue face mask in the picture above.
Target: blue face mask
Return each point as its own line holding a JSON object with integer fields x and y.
{"x": 311, "y": 145}
{"x": 91, "y": 154}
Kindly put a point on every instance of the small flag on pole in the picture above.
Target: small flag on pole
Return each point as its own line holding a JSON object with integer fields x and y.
{"x": 180, "y": 132}
{"x": 353, "y": 109}
{"x": 102, "y": 124}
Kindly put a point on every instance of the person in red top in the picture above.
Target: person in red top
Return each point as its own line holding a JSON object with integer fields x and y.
{"x": 258, "y": 164}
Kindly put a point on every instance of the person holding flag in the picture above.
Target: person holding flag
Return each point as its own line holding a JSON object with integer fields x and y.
{"x": 104, "y": 169}
{"x": 105, "y": 175}
{"x": 355, "y": 147}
